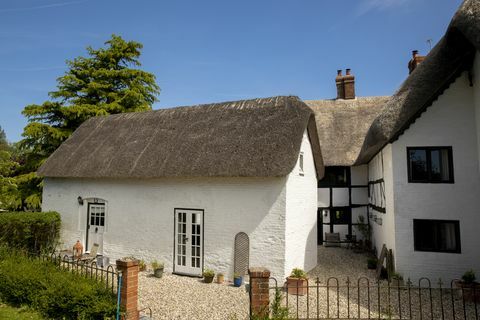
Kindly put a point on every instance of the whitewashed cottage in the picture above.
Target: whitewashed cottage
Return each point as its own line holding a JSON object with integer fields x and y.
{"x": 180, "y": 185}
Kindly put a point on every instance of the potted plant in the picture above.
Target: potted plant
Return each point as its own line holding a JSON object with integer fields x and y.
{"x": 157, "y": 268}
{"x": 396, "y": 280}
{"x": 297, "y": 282}
{"x": 208, "y": 275}
{"x": 220, "y": 278}
{"x": 372, "y": 263}
{"x": 470, "y": 288}
{"x": 237, "y": 279}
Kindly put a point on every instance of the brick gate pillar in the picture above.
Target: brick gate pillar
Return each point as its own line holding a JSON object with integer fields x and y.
{"x": 259, "y": 291}
{"x": 129, "y": 289}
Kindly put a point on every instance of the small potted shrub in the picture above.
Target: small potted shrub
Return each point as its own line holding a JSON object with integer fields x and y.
{"x": 237, "y": 279}
{"x": 470, "y": 288}
{"x": 396, "y": 280}
{"x": 372, "y": 263}
{"x": 297, "y": 282}
{"x": 220, "y": 278}
{"x": 208, "y": 275}
{"x": 157, "y": 268}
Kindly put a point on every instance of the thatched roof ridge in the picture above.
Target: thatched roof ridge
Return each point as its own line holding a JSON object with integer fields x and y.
{"x": 342, "y": 126}
{"x": 248, "y": 138}
{"x": 453, "y": 54}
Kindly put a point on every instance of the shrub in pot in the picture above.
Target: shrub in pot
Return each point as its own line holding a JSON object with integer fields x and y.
{"x": 372, "y": 263}
{"x": 297, "y": 282}
{"x": 396, "y": 280}
{"x": 157, "y": 268}
{"x": 470, "y": 288}
{"x": 208, "y": 275}
{"x": 237, "y": 279}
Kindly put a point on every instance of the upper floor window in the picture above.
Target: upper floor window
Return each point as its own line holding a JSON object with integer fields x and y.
{"x": 430, "y": 164}
{"x": 436, "y": 235}
{"x": 335, "y": 177}
{"x": 300, "y": 164}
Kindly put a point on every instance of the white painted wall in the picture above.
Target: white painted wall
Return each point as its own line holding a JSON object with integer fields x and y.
{"x": 476, "y": 99}
{"x": 301, "y": 214}
{"x": 383, "y": 224}
{"x": 450, "y": 121}
{"x": 140, "y": 216}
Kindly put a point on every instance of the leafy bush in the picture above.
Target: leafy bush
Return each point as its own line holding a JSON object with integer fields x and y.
{"x": 55, "y": 293}
{"x": 469, "y": 277}
{"x": 31, "y": 231}
{"x": 208, "y": 273}
{"x": 298, "y": 273}
{"x": 157, "y": 265}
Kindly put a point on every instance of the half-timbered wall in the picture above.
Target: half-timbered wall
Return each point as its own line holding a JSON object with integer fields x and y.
{"x": 341, "y": 205}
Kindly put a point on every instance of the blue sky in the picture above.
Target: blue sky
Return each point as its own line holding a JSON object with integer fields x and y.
{"x": 208, "y": 51}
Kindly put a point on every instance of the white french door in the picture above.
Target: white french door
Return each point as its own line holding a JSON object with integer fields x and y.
{"x": 188, "y": 242}
{"x": 95, "y": 226}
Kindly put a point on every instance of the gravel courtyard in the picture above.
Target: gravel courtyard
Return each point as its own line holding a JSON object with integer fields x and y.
{"x": 176, "y": 297}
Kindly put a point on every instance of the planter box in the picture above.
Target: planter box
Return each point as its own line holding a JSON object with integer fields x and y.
{"x": 471, "y": 292}
{"x": 297, "y": 286}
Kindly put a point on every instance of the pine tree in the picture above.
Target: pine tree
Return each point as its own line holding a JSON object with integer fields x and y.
{"x": 107, "y": 81}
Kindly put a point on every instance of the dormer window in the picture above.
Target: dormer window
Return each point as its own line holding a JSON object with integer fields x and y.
{"x": 300, "y": 164}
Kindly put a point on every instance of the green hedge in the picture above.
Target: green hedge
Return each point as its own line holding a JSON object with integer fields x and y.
{"x": 31, "y": 231}
{"x": 55, "y": 293}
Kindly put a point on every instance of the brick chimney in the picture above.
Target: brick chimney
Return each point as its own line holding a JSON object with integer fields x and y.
{"x": 340, "y": 85}
{"x": 416, "y": 60}
{"x": 349, "y": 85}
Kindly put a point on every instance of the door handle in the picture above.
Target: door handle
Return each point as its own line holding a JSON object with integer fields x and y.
{"x": 96, "y": 229}
{"x": 185, "y": 238}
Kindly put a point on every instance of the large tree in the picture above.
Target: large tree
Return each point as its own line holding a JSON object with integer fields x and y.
{"x": 107, "y": 81}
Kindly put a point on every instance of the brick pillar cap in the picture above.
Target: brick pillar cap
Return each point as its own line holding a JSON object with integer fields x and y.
{"x": 259, "y": 272}
{"x": 127, "y": 262}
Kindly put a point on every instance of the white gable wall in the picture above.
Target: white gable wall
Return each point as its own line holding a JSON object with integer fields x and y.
{"x": 140, "y": 216}
{"x": 383, "y": 224}
{"x": 301, "y": 213}
{"x": 476, "y": 99}
{"x": 450, "y": 121}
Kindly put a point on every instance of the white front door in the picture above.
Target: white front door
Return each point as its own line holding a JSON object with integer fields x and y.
{"x": 95, "y": 226}
{"x": 188, "y": 242}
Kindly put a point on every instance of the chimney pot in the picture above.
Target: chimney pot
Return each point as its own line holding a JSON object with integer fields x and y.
{"x": 349, "y": 84}
{"x": 415, "y": 61}
{"x": 339, "y": 72}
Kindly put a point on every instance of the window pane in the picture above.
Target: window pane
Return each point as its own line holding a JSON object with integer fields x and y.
{"x": 436, "y": 235}
{"x": 335, "y": 176}
{"x": 418, "y": 165}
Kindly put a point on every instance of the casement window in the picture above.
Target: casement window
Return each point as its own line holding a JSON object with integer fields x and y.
{"x": 430, "y": 164}
{"x": 341, "y": 215}
{"x": 300, "y": 164}
{"x": 335, "y": 177}
{"x": 436, "y": 235}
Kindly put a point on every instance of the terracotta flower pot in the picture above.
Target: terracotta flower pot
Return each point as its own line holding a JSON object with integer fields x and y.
{"x": 220, "y": 278}
{"x": 297, "y": 286}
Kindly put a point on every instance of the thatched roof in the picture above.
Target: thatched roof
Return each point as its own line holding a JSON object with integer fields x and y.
{"x": 248, "y": 138}
{"x": 453, "y": 54}
{"x": 342, "y": 126}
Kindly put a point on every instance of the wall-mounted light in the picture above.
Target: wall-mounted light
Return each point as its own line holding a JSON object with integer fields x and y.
{"x": 80, "y": 200}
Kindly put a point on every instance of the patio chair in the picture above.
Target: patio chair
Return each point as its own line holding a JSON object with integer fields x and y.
{"x": 90, "y": 257}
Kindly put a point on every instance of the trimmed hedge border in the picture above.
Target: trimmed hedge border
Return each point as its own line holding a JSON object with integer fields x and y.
{"x": 31, "y": 231}
{"x": 55, "y": 293}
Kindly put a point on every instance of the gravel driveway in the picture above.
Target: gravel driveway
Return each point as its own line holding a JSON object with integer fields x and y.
{"x": 177, "y": 297}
